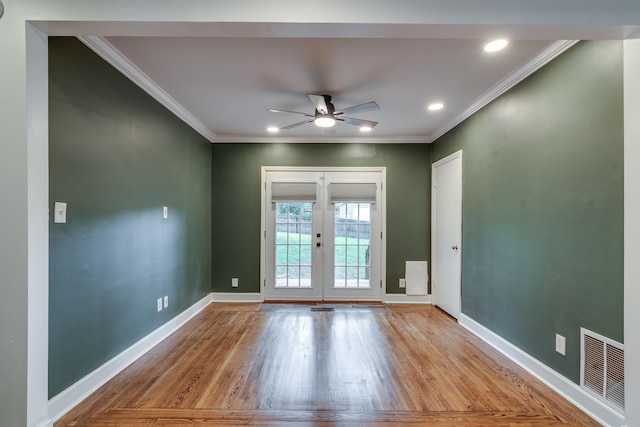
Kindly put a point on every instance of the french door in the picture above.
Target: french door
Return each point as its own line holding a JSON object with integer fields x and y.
{"x": 323, "y": 231}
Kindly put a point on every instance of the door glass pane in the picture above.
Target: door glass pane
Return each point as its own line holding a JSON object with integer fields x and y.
{"x": 294, "y": 250}
{"x": 352, "y": 254}
{"x": 281, "y": 253}
{"x": 352, "y": 225}
{"x": 293, "y": 244}
{"x": 352, "y": 277}
{"x": 339, "y": 255}
{"x": 364, "y": 233}
{"x": 281, "y": 277}
{"x": 340, "y": 277}
{"x": 305, "y": 277}
{"x": 305, "y": 254}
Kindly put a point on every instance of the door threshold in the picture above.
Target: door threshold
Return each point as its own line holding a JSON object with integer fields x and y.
{"x": 323, "y": 306}
{"x": 324, "y": 302}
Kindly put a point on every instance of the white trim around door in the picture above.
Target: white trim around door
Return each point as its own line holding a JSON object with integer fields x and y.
{"x": 358, "y": 195}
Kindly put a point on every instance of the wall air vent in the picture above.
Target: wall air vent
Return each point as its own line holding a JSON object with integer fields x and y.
{"x": 602, "y": 368}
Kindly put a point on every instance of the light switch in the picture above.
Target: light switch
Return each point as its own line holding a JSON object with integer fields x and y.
{"x": 60, "y": 213}
{"x": 165, "y": 212}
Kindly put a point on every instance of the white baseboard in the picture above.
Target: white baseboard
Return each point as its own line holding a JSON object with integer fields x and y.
{"x": 46, "y": 423}
{"x": 236, "y": 297}
{"x": 339, "y": 299}
{"x": 562, "y": 385}
{"x": 76, "y": 393}
{"x": 257, "y": 297}
{"x": 407, "y": 299}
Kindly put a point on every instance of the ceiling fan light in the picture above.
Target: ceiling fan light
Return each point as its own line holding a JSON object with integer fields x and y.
{"x": 324, "y": 121}
{"x": 365, "y": 128}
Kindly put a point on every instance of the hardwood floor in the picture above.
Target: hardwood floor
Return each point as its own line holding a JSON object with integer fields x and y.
{"x": 284, "y": 364}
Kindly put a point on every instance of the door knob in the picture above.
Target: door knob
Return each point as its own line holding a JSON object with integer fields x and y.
{"x": 454, "y": 247}
{"x": 318, "y": 244}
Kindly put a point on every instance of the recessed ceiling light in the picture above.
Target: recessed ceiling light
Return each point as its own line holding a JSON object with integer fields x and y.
{"x": 365, "y": 128}
{"x": 496, "y": 45}
{"x": 272, "y": 129}
{"x": 436, "y": 106}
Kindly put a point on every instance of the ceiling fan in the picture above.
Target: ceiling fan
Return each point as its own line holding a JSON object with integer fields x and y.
{"x": 326, "y": 116}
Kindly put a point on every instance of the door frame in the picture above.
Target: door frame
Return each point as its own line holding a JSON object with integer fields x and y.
{"x": 434, "y": 252}
{"x": 382, "y": 203}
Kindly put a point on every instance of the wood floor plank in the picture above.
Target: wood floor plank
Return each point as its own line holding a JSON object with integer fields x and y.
{"x": 284, "y": 364}
{"x": 218, "y": 417}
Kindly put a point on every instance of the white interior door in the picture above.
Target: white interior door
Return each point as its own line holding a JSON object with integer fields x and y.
{"x": 323, "y": 234}
{"x": 446, "y": 232}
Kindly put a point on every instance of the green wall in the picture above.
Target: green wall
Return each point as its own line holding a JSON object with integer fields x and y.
{"x": 236, "y": 202}
{"x": 117, "y": 157}
{"x": 543, "y": 206}
{"x": 542, "y": 215}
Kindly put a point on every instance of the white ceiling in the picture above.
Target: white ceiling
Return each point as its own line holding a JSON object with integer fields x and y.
{"x": 222, "y": 77}
{"x": 228, "y": 83}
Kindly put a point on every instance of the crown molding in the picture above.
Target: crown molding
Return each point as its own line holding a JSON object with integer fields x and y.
{"x": 109, "y": 53}
{"x": 528, "y": 68}
{"x": 228, "y": 139}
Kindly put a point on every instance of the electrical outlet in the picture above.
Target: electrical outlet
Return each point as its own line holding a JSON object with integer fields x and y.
{"x": 166, "y": 301}
{"x": 234, "y": 282}
{"x": 561, "y": 344}
{"x": 402, "y": 283}
{"x": 159, "y": 304}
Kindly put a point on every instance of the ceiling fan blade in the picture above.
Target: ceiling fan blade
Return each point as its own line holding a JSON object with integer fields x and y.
{"x": 361, "y": 108}
{"x": 295, "y": 125}
{"x": 273, "y": 110}
{"x": 357, "y": 122}
{"x": 320, "y": 102}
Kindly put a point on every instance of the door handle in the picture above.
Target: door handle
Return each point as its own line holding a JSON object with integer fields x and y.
{"x": 454, "y": 247}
